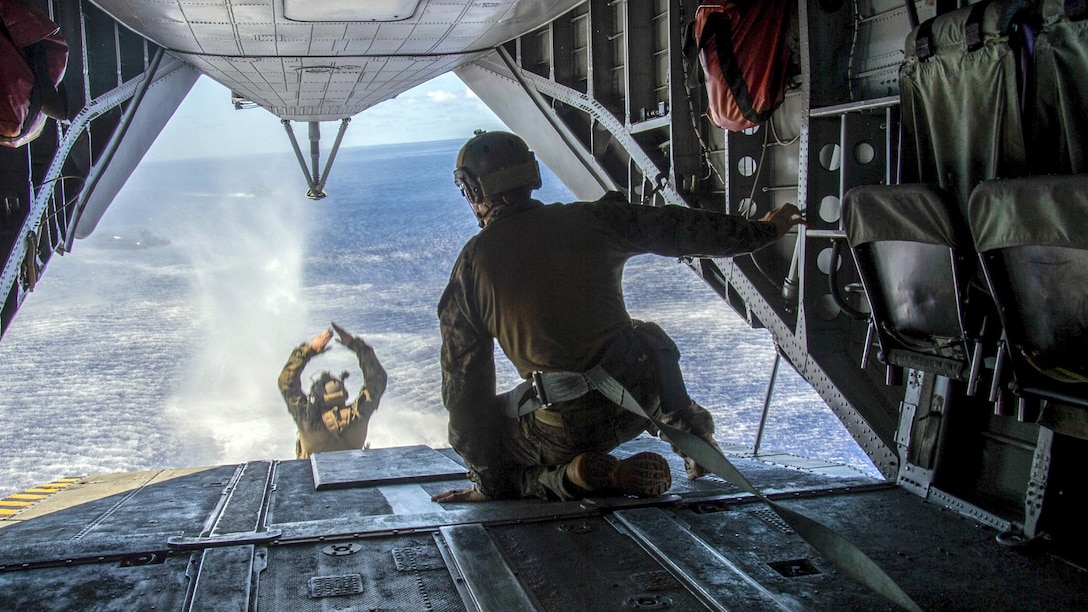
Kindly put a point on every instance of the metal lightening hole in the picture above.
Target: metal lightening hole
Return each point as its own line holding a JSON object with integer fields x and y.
{"x": 830, "y": 208}
{"x": 746, "y": 207}
{"x": 864, "y": 153}
{"x": 831, "y": 157}
{"x": 826, "y": 308}
{"x": 823, "y": 261}
{"x": 746, "y": 166}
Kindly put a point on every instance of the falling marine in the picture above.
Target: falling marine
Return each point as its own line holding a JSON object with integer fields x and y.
{"x": 935, "y": 300}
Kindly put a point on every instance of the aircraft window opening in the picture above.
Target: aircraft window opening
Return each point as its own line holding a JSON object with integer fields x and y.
{"x": 830, "y": 209}
{"x": 831, "y": 157}
{"x": 864, "y": 153}
{"x": 752, "y": 131}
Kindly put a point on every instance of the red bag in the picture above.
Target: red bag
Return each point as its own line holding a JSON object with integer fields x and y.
{"x": 33, "y": 58}
{"x": 743, "y": 48}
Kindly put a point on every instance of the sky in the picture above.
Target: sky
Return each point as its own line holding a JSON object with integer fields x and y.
{"x": 207, "y": 125}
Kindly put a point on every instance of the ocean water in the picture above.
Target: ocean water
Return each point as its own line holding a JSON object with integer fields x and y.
{"x": 158, "y": 340}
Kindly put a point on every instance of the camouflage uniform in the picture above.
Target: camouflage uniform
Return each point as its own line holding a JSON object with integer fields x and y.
{"x": 546, "y": 282}
{"x": 313, "y": 435}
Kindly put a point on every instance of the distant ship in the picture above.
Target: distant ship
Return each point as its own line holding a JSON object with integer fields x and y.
{"x": 146, "y": 240}
{"x": 935, "y": 301}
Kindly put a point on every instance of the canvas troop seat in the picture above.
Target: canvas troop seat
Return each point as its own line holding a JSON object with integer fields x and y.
{"x": 960, "y": 100}
{"x": 1032, "y": 238}
{"x": 913, "y": 253}
{"x": 1058, "y": 120}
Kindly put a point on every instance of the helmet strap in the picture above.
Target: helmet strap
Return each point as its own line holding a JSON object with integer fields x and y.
{"x": 482, "y": 210}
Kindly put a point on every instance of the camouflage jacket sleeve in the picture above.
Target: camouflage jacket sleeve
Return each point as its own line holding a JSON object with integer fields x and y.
{"x": 468, "y": 382}
{"x": 291, "y": 384}
{"x": 676, "y": 231}
{"x": 374, "y": 378}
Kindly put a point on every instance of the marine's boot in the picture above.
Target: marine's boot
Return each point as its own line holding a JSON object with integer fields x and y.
{"x": 643, "y": 474}
{"x": 693, "y": 469}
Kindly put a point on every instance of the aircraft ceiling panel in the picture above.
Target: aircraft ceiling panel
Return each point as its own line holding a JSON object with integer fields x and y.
{"x": 256, "y": 11}
{"x": 349, "y": 10}
{"x": 206, "y": 11}
{"x": 302, "y": 88}
{"x": 414, "y": 37}
{"x": 438, "y": 26}
{"x": 327, "y": 70}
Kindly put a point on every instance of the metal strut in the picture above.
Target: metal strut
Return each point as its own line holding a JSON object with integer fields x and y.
{"x": 767, "y": 402}
{"x": 106, "y": 157}
{"x": 315, "y": 180}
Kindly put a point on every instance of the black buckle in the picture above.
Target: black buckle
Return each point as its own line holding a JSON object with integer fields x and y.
{"x": 538, "y": 386}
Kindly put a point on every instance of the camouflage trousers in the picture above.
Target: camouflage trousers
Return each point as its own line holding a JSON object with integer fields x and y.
{"x": 541, "y": 444}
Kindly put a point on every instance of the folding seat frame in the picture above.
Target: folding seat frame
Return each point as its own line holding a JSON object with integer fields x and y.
{"x": 1032, "y": 238}
{"x": 914, "y": 256}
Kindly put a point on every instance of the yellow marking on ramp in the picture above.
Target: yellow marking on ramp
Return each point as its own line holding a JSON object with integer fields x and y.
{"x": 11, "y": 505}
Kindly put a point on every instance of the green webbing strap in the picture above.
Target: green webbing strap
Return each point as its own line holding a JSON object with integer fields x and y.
{"x": 834, "y": 547}
{"x": 543, "y": 388}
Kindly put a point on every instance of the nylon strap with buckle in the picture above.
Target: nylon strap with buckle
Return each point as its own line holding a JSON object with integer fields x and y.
{"x": 545, "y": 388}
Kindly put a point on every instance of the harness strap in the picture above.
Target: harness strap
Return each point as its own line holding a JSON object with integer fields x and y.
{"x": 836, "y": 548}
{"x": 336, "y": 419}
{"x": 923, "y": 40}
{"x": 543, "y": 389}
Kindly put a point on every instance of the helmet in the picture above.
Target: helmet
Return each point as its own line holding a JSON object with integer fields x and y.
{"x": 329, "y": 391}
{"x": 491, "y": 163}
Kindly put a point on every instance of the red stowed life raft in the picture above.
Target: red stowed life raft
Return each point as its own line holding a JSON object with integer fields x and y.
{"x": 745, "y": 55}
{"x": 33, "y": 58}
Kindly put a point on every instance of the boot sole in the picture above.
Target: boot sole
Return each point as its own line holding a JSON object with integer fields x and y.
{"x": 594, "y": 472}
{"x": 643, "y": 474}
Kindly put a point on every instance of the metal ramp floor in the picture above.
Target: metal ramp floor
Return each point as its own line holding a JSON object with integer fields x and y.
{"x": 357, "y": 531}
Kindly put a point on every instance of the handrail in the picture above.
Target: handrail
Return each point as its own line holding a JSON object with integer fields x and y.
{"x": 104, "y": 160}
{"x": 767, "y": 402}
{"x": 41, "y": 198}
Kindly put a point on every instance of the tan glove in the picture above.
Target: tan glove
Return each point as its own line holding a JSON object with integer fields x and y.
{"x": 693, "y": 469}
